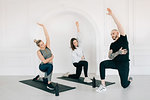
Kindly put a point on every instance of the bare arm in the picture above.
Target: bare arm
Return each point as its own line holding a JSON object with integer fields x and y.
{"x": 77, "y": 24}
{"x": 112, "y": 55}
{"x": 119, "y": 26}
{"x": 43, "y": 59}
{"x": 46, "y": 35}
{"x": 78, "y": 33}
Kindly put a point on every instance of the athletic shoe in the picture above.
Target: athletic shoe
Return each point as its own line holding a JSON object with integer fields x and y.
{"x": 50, "y": 86}
{"x": 66, "y": 74}
{"x": 101, "y": 88}
{"x": 36, "y": 78}
{"x": 130, "y": 79}
{"x": 87, "y": 80}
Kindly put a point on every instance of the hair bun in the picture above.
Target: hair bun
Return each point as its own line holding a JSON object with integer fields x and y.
{"x": 35, "y": 40}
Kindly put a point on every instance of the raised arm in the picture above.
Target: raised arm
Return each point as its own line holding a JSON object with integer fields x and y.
{"x": 78, "y": 33}
{"x": 46, "y": 35}
{"x": 77, "y": 24}
{"x": 119, "y": 26}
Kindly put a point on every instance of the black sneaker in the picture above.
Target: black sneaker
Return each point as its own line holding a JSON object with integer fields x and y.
{"x": 34, "y": 79}
{"x": 50, "y": 86}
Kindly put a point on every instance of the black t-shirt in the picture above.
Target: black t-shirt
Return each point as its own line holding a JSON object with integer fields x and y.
{"x": 115, "y": 46}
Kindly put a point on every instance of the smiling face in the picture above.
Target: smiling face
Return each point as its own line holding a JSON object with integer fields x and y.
{"x": 41, "y": 44}
{"x": 114, "y": 34}
{"x": 75, "y": 43}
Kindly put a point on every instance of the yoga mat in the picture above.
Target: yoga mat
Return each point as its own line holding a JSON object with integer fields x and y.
{"x": 81, "y": 80}
{"x": 43, "y": 86}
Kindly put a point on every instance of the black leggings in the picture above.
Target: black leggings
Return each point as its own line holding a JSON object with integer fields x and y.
{"x": 123, "y": 70}
{"x": 79, "y": 69}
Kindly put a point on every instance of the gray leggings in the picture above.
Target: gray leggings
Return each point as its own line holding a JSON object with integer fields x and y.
{"x": 47, "y": 69}
{"x": 49, "y": 77}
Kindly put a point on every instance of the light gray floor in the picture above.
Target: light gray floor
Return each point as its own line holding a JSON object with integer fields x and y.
{"x": 12, "y": 89}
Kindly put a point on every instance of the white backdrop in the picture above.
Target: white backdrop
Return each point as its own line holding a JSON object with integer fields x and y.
{"x": 18, "y": 29}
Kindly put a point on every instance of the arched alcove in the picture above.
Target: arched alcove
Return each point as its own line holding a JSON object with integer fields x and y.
{"x": 61, "y": 27}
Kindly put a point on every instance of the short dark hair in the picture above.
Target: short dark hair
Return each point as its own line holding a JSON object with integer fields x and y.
{"x": 71, "y": 43}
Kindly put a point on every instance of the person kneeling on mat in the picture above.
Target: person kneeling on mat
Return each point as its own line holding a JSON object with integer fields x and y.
{"x": 119, "y": 55}
{"x": 78, "y": 59}
{"x": 46, "y": 56}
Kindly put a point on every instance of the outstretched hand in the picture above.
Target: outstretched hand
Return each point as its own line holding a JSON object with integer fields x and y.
{"x": 77, "y": 23}
{"x": 109, "y": 11}
{"x": 40, "y": 24}
{"x": 82, "y": 57}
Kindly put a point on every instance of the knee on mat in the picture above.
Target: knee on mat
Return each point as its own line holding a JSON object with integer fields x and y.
{"x": 77, "y": 77}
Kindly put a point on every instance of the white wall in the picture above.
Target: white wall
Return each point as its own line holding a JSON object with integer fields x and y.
{"x": 18, "y": 29}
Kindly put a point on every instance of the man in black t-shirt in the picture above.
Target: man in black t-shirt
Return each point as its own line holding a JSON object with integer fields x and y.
{"x": 119, "y": 56}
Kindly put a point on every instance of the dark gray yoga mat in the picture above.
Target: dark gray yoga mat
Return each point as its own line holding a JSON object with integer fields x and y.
{"x": 81, "y": 80}
{"x": 43, "y": 86}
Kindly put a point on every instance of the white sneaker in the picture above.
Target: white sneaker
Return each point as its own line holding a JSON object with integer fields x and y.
{"x": 87, "y": 80}
{"x": 101, "y": 88}
{"x": 66, "y": 74}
